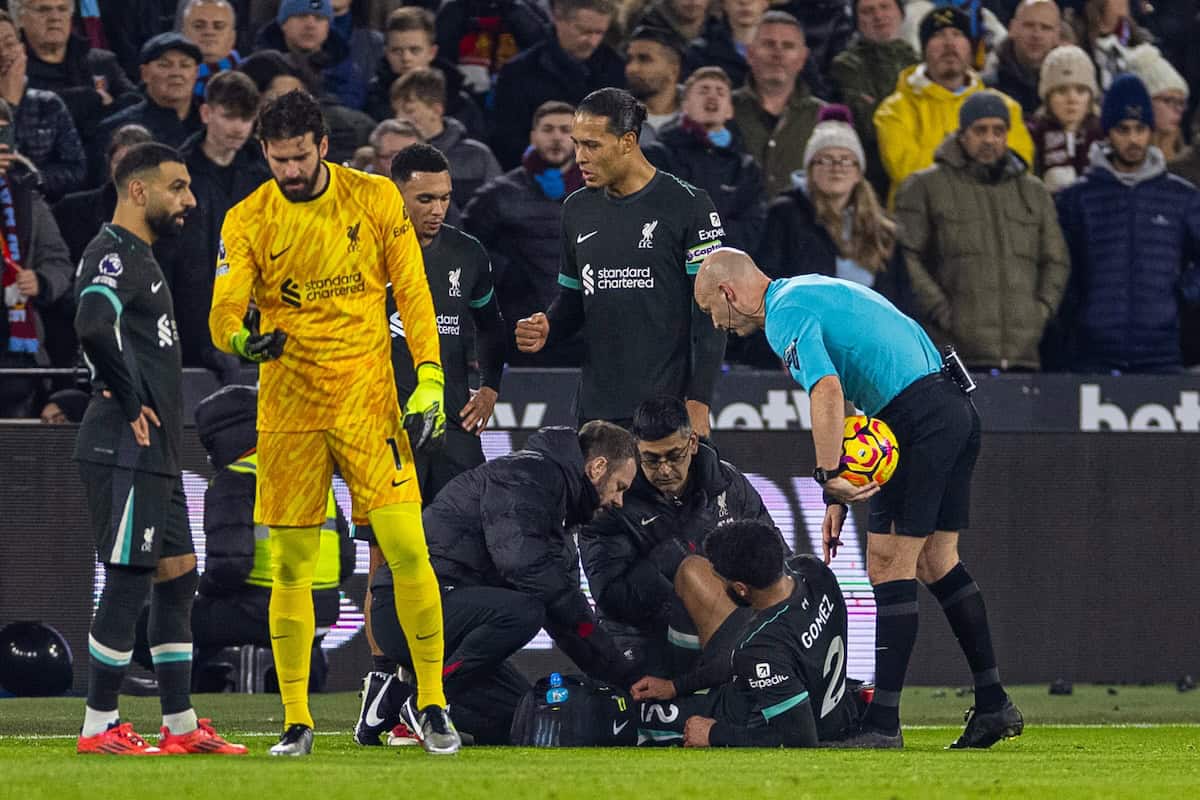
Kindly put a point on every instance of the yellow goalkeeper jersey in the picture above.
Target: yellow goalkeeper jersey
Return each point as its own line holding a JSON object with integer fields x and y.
{"x": 319, "y": 270}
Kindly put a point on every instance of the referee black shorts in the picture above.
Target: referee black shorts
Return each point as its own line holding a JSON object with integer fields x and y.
{"x": 937, "y": 429}
{"x": 137, "y": 517}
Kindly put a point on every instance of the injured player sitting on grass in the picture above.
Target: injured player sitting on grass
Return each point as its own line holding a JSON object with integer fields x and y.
{"x": 778, "y": 679}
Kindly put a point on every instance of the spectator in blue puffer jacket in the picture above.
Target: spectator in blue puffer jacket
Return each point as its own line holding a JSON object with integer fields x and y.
{"x": 1133, "y": 231}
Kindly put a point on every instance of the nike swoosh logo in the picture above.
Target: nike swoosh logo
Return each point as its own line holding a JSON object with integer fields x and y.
{"x": 401, "y": 483}
{"x": 154, "y": 287}
{"x": 647, "y": 521}
{"x": 584, "y": 237}
{"x": 618, "y": 728}
{"x": 281, "y": 252}
{"x": 284, "y": 636}
{"x": 373, "y": 718}
{"x": 421, "y": 638}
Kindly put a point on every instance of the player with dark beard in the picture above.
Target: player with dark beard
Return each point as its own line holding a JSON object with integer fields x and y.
{"x": 779, "y": 678}
{"x": 128, "y": 452}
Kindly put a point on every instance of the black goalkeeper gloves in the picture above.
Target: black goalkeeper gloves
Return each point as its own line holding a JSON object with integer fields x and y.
{"x": 254, "y": 346}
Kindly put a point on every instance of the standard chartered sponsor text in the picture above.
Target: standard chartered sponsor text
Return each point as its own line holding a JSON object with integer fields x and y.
{"x": 624, "y": 278}
{"x": 335, "y": 286}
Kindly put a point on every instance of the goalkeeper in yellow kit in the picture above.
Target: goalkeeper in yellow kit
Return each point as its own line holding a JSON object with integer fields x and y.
{"x": 315, "y": 249}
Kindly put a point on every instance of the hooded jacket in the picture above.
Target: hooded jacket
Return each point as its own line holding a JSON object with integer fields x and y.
{"x": 471, "y": 162}
{"x": 729, "y": 175}
{"x": 985, "y": 256}
{"x": 505, "y": 524}
{"x": 914, "y": 120}
{"x": 631, "y": 554}
{"x": 1130, "y": 236}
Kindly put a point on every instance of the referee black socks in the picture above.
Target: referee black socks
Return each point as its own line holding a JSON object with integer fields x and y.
{"x": 895, "y": 634}
{"x": 963, "y": 604}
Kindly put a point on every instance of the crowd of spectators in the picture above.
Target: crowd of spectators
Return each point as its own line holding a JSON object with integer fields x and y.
{"x": 1018, "y": 175}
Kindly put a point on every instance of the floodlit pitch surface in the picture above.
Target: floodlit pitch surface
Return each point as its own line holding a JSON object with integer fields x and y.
{"x": 1141, "y": 742}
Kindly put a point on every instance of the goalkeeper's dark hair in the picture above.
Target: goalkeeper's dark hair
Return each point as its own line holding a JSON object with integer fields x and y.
{"x": 625, "y": 114}
{"x": 291, "y": 115}
{"x": 142, "y": 158}
{"x": 660, "y": 417}
{"x": 417, "y": 158}
{"x": 746, "y": 551}
{"x": 600, "y": 439}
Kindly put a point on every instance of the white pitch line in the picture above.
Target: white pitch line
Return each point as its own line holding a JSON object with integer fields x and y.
{"x": 32, "y": 737}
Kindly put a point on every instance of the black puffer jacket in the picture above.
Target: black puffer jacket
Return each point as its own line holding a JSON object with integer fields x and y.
{"x": 505, "y": 524}
{"x": 630, "y": 554}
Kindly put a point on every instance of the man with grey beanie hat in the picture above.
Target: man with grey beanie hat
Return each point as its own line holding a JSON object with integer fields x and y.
{"x": 981, "y": 240}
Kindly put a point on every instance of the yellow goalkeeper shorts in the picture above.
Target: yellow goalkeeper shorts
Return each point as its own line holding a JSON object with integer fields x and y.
{"x": 295, "y": 468}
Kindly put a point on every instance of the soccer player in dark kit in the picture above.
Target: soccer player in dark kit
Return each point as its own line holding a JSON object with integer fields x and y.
{"x": 460, "y": 282}
{"x": 632, "y": 240}
{"x": 777, "y": 679}
{"x": 843, "y": 342}
{"x": 128, "y": 453}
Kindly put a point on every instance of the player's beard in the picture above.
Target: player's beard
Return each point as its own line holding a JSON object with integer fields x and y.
{"x": 164, "y": 224}
{"x": 737, "y": 599}
{"x": 299, "y": 192}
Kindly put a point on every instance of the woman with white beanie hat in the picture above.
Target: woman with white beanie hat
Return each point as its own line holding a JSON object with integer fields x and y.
{"x": 832, "y": 222}
{"x": 1168, "y": 93}
{"x": 1067, "y": 124}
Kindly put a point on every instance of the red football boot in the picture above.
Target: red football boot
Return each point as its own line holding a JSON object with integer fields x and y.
{"x": 202, "y": 741}
{"x": 119, "y": 740}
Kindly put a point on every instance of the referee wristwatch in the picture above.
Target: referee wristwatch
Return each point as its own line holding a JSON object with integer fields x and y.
{"x": 823, "y": 476}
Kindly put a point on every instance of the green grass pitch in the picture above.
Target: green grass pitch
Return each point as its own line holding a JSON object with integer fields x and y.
{"x": 1143, "y": 742}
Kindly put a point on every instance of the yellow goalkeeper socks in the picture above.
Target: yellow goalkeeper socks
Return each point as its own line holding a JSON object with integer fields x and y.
{"x": 401, "y": 536}
{"x": 290, "y": 614}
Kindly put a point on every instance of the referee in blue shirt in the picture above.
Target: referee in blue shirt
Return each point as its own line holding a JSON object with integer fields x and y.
{"x": 844, "y": 342}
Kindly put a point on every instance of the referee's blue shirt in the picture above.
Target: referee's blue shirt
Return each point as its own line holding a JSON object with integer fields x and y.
{"x": 825, "y": 326}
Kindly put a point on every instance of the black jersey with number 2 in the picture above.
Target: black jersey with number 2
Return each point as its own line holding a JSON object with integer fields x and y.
{"x": 789, "y": 668}
{"x": 125, "y": 320}
{"x": 633, "y": 260}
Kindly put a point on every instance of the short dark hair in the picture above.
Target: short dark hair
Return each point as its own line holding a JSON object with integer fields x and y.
{"x": 267, "y": 65}
{"x": 664, "y": 37}
{"x": 418, "y": 158}
{"x": 234, "y": 92}
{"x": 410, "y": 18}
{"x": 660, "y": 417}
{"x": 600, "y": 439}
{"x": 568, "y": 8}
{"x": 746, "y": 551}
{"x": 625, "y": 114}
{"x": 777, "y": 17}
{"x": 142, "y": 158}
{"x": 426, "y": 85}
{"x": 293, "y": 114}
{"x": 551, "y": 107}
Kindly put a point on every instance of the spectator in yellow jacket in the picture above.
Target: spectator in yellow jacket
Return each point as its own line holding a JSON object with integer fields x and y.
{"x": 917, "y": 117}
